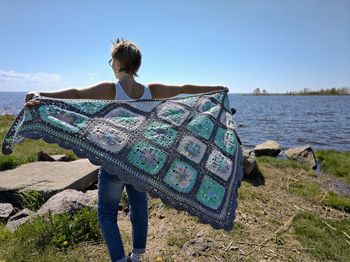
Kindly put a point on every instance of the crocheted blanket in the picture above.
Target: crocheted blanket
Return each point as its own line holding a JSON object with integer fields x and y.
{"x": 183, "y": 150}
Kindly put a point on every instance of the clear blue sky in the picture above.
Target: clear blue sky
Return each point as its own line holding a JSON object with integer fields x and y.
{"x": 271, "y": 44}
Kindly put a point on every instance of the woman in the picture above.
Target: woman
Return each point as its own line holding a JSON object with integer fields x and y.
{"x": 125, "y": 62}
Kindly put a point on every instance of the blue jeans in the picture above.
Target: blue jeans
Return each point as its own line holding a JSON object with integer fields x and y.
{"x": 110, "y": 189}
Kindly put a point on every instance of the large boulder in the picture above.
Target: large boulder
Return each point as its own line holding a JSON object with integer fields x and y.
{"x": 48, "y": 178}
{"x": 268, "y": 148}
{"x": 303, "y": 154}
{"x": 69, "y": 201}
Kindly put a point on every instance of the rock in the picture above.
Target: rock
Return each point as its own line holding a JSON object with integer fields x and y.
{"x": 93, "y": 195}
{"x": 20, "y": 218}
{"x": 303, "y": 154}
{"x": 69, "y": 201}
{"x": 268, "y": 148}
{"x": 249, "y": 163}
{"x": 194, "y": 247}
{"x": 6, "y": 210}
{"x": 47, "y": 177}
{"x": 42, "y": 156}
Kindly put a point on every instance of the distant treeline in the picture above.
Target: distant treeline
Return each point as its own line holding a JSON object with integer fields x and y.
{"x": 307, "y": 91}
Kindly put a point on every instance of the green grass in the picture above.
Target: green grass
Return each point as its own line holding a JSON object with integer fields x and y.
{"x": 280, "y": 163}
{"x": 325, "y": 242}
{"x": 45, "y": 234}
{"x": 27, "y": 150}
{"x": 31, "y": 199}
{"x": 337, "y": 201}
{"x": 335, "y": 163}
{"x": 306, "y": 189}
{"x": 311, "y": 191}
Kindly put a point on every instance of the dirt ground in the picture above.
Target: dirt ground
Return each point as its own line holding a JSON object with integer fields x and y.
{"x": 262, "y": 230}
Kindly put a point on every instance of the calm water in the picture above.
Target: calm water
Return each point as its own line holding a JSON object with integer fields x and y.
{"x": 322, "y": 121}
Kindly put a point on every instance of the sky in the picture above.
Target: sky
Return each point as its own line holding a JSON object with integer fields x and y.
{"x": 274, "y": 45}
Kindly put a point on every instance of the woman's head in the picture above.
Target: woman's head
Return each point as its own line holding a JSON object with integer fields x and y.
{"x": 128, "y": 56}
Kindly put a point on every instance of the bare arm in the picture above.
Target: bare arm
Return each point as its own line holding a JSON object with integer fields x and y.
{"x": 63, "y": 93}
{"x": 192, "y": 89}
{"x": 166, "y": 91}
{"x": 103, "y": 91}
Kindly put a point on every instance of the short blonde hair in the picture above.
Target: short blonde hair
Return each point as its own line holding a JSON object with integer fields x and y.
{"x": 128, "y": 54}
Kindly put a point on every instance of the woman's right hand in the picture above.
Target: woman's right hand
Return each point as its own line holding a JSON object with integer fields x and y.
{"x": 29, "y": 101}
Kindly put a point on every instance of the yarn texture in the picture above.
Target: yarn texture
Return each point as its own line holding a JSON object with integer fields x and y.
{"x": 183, "y": 150}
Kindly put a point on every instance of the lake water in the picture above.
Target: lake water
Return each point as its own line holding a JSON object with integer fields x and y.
{"x": 321, "y": 121}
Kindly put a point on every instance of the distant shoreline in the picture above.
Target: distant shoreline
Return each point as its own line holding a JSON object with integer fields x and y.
{"x": 284, "y": 94}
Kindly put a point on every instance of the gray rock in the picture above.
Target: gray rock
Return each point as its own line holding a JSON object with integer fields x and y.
{"x": 69, "y": 201}
{"x": 194, "y": 247}
{"x": 249, "y": 163}
{"x": 20, "y": 218}
{"x": 93, "y": 195}
{"x": 303, "y": 154}
{"x": 47, "y": 177}
{"x": 6, "y": 210}
{"x": 268, "y": 148}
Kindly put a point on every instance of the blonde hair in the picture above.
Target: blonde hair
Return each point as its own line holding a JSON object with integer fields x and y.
{"x": 128, "y": 55}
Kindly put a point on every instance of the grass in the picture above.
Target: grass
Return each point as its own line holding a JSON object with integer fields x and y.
{"x": 46, "y": 234}
{"x": 335, "y": 163}
{"x": 31, "y": 199}
{"x": 337, "y": 202}
{"x": 280, "y": 163}
{"x": 306, "y": 189}
{"x": 312, "y": 191}
{"x": 27, "y": 150}
{"x": 324, "y": 238}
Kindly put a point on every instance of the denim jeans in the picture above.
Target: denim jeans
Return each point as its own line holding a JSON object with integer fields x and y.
{"x": 110, "y": 189}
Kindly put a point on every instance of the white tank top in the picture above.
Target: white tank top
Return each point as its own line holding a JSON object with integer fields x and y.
{"x": 121, "y": 95}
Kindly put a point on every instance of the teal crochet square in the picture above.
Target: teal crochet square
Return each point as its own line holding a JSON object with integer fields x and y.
{"x": 226, "y": 140}
{"x": 210, "y": 193}
{"x": 181, "y": 176}
{"x": 147, "y": 157}
{"x": 88, "y": 107}
{"x": 206, "y": 105}
{"x": 160, "y": 133}
{"x": 68, "y": 120}
{"x": 218, "y": 97}
{"x": 190, "y": 101}
{"x": 201, "y": 125}
{"x": 173, "y": 113}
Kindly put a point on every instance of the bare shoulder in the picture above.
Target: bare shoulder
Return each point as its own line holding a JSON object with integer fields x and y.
{"x": 101, "y": 90}
{"x": 163, "y": 90}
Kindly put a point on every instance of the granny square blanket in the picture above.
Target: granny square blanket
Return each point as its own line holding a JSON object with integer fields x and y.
{"x": 183, "y": 150}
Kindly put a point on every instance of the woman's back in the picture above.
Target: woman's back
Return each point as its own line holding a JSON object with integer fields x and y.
{"x": 120, "y": 94}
